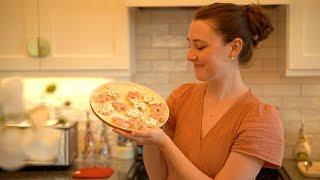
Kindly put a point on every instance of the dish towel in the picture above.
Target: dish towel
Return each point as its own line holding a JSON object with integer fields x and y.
{"x": 93, "y": 173}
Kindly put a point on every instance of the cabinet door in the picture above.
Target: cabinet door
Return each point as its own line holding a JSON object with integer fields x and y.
{"x": 304, "y": 27}
{"x": 18, "y": 25}
{"x": 85, "y": 34}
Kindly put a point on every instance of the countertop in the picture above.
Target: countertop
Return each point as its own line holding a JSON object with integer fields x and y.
{"x": 120, "y": 167}
{"x": 290, "y": 170}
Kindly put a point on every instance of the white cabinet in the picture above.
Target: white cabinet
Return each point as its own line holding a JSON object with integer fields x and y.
{"x": 18, "y": 25}
{"x": 82, "y": 34}
{"x": 85, "y": 34}
{"x": 303, "y": 55}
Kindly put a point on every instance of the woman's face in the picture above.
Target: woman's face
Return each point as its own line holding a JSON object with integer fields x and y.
{"x": 208, "y": 52}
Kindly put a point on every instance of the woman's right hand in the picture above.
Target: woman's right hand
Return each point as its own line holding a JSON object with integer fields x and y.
{"x": 148, "y": 136}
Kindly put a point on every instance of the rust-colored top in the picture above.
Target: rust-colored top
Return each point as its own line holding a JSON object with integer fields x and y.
{"x": 249, "y": 126}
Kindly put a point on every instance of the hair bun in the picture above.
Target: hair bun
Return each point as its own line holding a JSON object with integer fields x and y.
{"x": 259, "y": 23}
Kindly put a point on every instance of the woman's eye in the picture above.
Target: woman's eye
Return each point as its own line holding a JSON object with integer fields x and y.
{"x": 200, "y": 47}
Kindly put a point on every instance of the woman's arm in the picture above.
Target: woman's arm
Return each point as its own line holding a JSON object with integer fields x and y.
{"x": 237, "y": 167}
{"x": 154, "y": 162}
{"x": 240, "y": 167}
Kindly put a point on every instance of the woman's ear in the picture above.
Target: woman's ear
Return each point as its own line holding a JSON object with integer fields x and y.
{"x": 236, "y": 46}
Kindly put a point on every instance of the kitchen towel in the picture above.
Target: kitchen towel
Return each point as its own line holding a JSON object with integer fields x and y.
{"x": 93, "y": 173}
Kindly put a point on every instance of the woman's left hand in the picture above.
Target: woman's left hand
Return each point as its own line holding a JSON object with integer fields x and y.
{"x": 149, "y": 136}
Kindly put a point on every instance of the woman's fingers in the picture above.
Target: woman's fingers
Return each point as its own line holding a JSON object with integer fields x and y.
{"x": 145, "y": 136}
{"x": 123, "y": 133}
{"x": 138, "y": 136}
{"x": 141, "y": 133}
{"x": 150, "y": 132}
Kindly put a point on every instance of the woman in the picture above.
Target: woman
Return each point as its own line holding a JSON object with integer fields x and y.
{"x": 217, "y": 129}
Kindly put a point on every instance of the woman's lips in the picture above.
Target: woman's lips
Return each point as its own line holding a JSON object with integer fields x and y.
{"x": 198, "y": 66}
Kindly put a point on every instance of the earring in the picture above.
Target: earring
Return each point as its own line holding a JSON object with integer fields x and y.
{"x": 232, "y": 58}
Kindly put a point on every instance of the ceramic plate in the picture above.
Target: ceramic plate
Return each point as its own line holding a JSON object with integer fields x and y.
{"x": 128, "y": 106}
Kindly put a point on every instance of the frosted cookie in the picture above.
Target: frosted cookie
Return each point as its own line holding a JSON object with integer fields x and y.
{"x": 106, "y": 109}
{"x": 136, "y": 123}
{"x": 149, "y": 99}
{"x": 133, "y": 113}
{"x": 138, "y": 104}
{"x": 119, "y": 107}
{"x": 111, "y": 92}
{"x": 134, "y": 95}
{"x": 121, "y": 122}
{"x": 157, "y": 111}
{"x": 149, "y": 121}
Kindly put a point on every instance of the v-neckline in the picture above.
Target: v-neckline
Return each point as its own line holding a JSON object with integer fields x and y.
{"x": 202, "y": 139}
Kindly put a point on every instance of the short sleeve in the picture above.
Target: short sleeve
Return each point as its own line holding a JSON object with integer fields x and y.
{"x": 261, "y": 135}
{"x": 173, "y": 101}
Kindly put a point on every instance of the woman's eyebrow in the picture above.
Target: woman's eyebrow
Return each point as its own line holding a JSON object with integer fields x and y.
{"x": 196, "y": 40}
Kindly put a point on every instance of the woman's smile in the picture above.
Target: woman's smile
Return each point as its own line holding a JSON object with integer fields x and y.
{"x": 198, "y": 66}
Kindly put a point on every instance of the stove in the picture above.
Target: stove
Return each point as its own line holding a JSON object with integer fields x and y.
{"x": 138, "y": 170}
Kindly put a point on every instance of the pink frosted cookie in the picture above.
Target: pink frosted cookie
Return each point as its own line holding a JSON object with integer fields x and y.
{"x": 119, "y": 107}
{"x": 157, "y": 111}
{"x": 123, "y": 123}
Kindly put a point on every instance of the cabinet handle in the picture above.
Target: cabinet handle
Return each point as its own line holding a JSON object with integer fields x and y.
{"x": 33, "y": 47}
{"x": 38, "y": 47}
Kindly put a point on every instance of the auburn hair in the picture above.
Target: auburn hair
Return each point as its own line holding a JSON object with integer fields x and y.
{"x": 231, "y": 21}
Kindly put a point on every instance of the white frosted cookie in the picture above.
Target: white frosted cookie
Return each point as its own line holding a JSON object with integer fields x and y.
{"x": 149, "y": 99}
{"x": 138, "y": 104}
{"x": 149, "y": 121}
{"x": 134, "y": 113}
{"x": 112, "y": 92}
{"x": 106, "y": 109}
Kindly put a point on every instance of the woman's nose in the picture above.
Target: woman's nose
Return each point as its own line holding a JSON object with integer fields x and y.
{"x": 191, "y": 55}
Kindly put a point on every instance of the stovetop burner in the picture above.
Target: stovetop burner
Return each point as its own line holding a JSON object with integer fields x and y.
{"x": 137, "y": 170}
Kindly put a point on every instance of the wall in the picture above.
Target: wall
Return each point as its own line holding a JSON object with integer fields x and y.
{"x": 161, "y": 64}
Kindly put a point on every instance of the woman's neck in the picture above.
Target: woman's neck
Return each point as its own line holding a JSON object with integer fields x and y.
{"x": 228, "y": 87}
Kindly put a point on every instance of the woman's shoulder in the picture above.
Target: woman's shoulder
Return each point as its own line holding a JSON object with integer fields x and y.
{"x": 258, "y": 109}
{"x": 183, "y": 93}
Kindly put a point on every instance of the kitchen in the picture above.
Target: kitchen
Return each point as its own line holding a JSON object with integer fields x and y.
{"x": 146, "y": 43}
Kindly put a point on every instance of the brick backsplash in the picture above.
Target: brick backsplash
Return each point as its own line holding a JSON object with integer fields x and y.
{"x": 161, "y": 65}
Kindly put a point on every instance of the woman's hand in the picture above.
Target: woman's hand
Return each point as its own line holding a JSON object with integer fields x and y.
{"x": 149, "y": 136}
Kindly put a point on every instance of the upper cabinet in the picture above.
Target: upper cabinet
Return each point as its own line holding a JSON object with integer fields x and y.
{"x": 85, "y": 34}
{"x": 18, "y": 25}
{"x": 80, "y": 35}
{"x": 193, "y": 3}
{"x": 303, "y": 55}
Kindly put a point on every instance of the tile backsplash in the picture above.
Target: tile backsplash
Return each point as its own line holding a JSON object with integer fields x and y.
{"x": 161, "y": 65}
